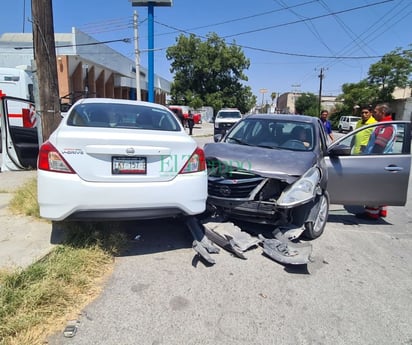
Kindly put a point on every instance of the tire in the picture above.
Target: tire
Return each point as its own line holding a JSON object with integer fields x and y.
{"x": 340, "y": 129}
{"x": 315, "y": 229}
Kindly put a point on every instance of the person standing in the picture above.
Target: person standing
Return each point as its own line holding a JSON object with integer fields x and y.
{"x": 381, "y": 141}
{"x": 324, "y": 114}
{"x": 362, "y": 138}
{"x": 191, "y": 122}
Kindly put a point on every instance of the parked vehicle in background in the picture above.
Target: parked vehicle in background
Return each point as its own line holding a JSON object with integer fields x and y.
{"x": 225, "y": 119}
{"x": 182, "y": 113}
{"x": 277, "y": 169}
{"x": 120, "y": 159}
{"x": 18, "y": 83}
{"x": 347, "y": 123}
{"x": 19, "y": 142}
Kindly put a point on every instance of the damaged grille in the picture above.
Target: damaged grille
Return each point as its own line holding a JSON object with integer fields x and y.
{"x": 253, "y": 188}
{"x": 228, "y": 188}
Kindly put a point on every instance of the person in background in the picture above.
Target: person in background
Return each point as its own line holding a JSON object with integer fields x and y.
{"x": 379, "y": 143}
{"x": 190, "y": 122}
{"x": 362, "y": 138}
{"x": 326, "y": 123}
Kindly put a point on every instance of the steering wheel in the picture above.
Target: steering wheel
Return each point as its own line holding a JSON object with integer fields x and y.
{"x": 294, "y": 144}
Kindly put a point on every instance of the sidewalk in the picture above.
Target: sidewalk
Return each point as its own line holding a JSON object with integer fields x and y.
{"x": 204, "y": 129}
{"x": 23, "y": 240}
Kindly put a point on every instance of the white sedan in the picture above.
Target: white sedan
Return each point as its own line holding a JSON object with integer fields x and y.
{"x": 120, "y": 159}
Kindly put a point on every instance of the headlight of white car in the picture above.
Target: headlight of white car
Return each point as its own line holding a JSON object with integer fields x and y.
{"x": 301, "y": 191}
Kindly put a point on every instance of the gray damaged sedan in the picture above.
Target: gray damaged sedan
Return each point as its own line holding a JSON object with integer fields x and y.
{"x": 279, "y": 170}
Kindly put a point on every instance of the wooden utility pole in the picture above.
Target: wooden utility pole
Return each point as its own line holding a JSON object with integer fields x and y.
{"x": 44, "y": 53}
{"x": 321, "y": 76}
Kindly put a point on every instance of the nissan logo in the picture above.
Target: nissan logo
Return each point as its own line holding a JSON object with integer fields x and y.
{"x": 225, "y": 191}
{"x": 130, "y": 151}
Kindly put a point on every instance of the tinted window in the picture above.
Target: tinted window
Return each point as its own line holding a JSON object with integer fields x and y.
{"x": 291, "y": 135}
{"x": 122, "y": 116}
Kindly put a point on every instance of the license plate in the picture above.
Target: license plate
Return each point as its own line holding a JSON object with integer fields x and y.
{"x": 129, "y": 165}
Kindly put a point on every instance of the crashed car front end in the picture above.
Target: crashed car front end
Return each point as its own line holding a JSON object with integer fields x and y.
{"x": 262, "y": 199}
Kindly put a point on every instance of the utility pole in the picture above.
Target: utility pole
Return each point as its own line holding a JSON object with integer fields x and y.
{"x": 48, "y": 105}
{"x": 321, "y": 76}
{"x": 137, "y": 56}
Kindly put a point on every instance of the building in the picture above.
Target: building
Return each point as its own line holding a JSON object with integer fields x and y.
{"x": 85, "y": 67}
{"x": 286, "y": 102}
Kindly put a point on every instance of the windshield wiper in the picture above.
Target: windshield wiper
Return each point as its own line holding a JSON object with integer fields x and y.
{"x": 239, "y": 141}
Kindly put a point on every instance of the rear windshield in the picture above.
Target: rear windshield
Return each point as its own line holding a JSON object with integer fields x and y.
{"x": 108, "y": 115}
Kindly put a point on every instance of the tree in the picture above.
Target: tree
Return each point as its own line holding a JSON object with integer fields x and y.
{"x": 307, "y": 104}
{"x": 358, "y": 94}
{"x": 209, "y": 73}
{"x": 393, "y": 70}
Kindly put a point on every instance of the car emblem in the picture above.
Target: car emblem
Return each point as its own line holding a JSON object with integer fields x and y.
{"x": 130, "y": 151}
{"x": 225, "y": 191}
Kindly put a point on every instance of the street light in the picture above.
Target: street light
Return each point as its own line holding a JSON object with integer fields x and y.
{"x": 150, "y": 19}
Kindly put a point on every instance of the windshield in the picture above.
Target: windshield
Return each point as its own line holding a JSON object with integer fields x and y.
{"x": 229, "y": 115}
{"x": 271, "y": 133}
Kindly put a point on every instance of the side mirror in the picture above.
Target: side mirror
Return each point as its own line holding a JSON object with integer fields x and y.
{"x": 340, "y": 150}
{"x": 217, "y": 137}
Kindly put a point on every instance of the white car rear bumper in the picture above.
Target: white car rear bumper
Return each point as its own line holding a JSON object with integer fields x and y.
{"x": 63, "y": 196}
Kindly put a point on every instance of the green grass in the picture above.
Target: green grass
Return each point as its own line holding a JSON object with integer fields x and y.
{"x": 38, "y": 301}
{"x": 24, "y": 200}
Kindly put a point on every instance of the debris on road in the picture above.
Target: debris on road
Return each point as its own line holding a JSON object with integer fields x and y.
{"x": 233, "y": 239}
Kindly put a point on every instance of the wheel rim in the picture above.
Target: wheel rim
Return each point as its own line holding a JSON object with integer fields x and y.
{"x": 322, "y": 216}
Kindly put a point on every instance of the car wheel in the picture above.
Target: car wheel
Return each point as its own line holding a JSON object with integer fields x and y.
{"x": 350, "y": 129}
{"x": 340, "y": 129}
{"x": 313, "y": 229}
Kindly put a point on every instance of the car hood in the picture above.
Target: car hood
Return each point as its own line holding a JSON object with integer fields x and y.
{"x": 273, "y": 163}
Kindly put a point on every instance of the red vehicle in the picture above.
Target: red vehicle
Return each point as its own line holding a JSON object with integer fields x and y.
{"x": 182, "y": 113}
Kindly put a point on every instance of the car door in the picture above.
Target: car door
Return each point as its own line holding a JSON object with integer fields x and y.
{"x": 19, "y": 137}
{"x": 370, "y": 178}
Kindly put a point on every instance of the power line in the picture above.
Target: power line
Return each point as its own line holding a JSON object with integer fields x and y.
{"x": 125, "y": 40}
{"x": 308, "y": 19}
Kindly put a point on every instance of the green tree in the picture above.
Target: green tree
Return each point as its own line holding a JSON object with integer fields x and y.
{"x": 307, "y": 104}
{"x": 357, "y": 94}
{"x": 209, "y": 73}
{"x": 393, "y": 70}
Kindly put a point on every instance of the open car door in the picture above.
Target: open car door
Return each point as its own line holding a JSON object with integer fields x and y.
{"x": 362, "y": 177}
{"x": 19, "y": 134}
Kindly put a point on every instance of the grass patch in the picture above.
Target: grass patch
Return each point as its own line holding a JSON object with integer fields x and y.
{"x": 24, "y": 200}
{"x": 39, "y": 300}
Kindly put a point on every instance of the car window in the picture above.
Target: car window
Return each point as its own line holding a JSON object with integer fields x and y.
{"x": 380, "y": 138}
{"x": 291, "y": 135}
{"x": 122, "y": 116}
{"x": 229, "y": 114}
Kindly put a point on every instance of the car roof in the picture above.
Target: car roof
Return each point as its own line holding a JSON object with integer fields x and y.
{"x": 118, "y": 101}
{"x": 285, "y": 117}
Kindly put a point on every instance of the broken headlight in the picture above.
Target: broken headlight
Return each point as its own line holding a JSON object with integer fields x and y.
{"x": 302, "y": 191}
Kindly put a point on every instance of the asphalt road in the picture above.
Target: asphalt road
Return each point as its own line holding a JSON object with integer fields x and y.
{"x": 356, "y": 291}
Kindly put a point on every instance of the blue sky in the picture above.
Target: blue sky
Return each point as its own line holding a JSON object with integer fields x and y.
{"x": 288, "y": 42}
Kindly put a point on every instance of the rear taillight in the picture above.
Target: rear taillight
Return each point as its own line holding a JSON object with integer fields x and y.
{"x": 195, "y": 163}
{"x": 51, "y": 160}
